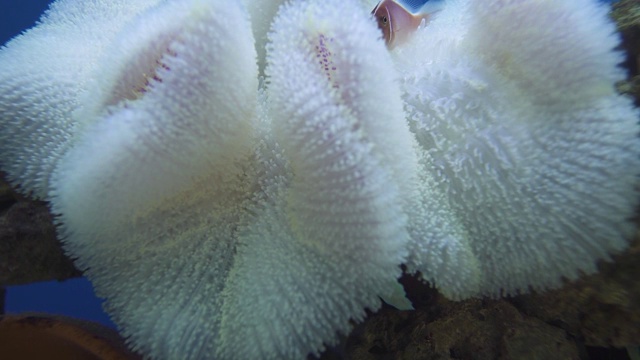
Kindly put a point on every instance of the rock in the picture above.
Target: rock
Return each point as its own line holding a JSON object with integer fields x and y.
{"x": 472, "y": 329}
{"x": 593, "y": 315}
{"x": 626, "y": 13}
{"x": 41, "y": 336}
{"x": 602, "y": 309}
{"x": 29, "y": 249}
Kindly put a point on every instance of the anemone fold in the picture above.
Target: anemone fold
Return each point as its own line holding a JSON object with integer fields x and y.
{"x": 524, "y": 134}
{"x": 151, "y": 194}
{"x": 45, "y": 72}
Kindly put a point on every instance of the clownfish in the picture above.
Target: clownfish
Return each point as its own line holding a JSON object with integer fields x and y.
{"x": 398, "y": 23}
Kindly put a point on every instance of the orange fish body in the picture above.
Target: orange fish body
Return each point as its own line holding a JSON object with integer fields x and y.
{"x": 397, "y": 23}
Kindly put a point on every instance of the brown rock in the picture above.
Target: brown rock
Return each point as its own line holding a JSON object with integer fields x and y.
{"x": 603, "y": 309}
{"x": 626, "y": 13}
{"x": 29, "y": 249}
{"x": 472, "y": 329}
{"x": 41, "y": 336}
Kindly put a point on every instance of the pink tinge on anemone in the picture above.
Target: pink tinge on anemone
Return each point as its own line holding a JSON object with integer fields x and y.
{"x": 138, "y": 77}
{"x": 324, "y": 56}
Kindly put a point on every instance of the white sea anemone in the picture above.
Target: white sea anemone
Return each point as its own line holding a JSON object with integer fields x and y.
{"x": 224, "y": 216}
{"x": 535, "y": 153}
